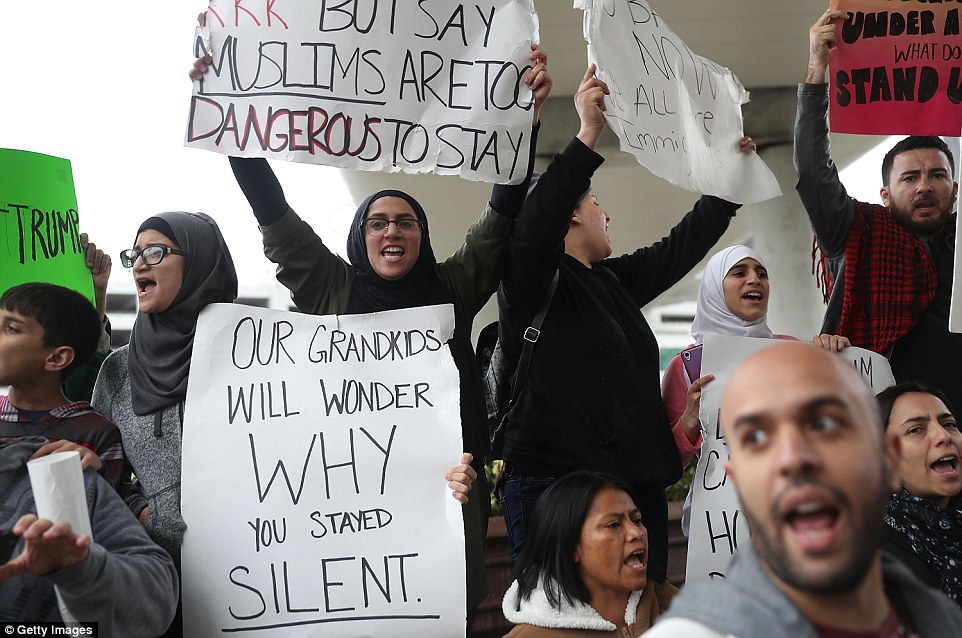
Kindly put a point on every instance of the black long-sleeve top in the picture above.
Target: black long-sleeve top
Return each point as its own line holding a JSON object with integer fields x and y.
{"x": 591, "y": 399}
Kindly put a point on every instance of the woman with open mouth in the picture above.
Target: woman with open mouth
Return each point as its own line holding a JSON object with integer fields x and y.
{"x": 181, "y": 264}
{"x": 583, "y": 570}
{"x": 923, "y": 520}
{"x": 732, "y": 301}
{"x": 391, "y": 265}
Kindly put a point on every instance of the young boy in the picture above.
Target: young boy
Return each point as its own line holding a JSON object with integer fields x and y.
{"x": 46, "y": 331}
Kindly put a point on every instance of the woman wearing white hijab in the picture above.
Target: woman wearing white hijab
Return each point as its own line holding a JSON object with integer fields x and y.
{"x": 732, "y": 301}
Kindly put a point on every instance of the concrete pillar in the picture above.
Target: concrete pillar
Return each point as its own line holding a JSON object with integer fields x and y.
{"x": 780, "y": 232}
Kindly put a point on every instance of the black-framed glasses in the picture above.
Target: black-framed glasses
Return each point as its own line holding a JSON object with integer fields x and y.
{"x": 152, "y": 255}
{"x": 377, "y": 226}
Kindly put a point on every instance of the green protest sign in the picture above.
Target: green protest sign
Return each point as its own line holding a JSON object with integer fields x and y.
{"x": 39, "y": 224}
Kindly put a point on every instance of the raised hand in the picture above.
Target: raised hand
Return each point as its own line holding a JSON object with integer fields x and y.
{"x": 590, "y": 104}
{"x": 538, "y": 79}
{"x": 821, "y": 38}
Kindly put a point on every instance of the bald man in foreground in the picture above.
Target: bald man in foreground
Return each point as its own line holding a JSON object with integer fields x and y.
{"x": 812, "y": 474}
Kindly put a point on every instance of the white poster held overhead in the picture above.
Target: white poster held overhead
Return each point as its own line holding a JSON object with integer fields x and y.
{"x": 955, "y": 307}
{"x": 409, "y": 85}
{"x": 314, "y": 456}
{"x": 678, "y": 113}
{"x": 717, "y": 526}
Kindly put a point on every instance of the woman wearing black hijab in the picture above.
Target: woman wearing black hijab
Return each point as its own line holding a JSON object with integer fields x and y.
{"x": 180, "y": 264}
{"x": 392, "y": 266}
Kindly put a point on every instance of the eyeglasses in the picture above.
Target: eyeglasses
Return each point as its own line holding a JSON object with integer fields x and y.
{"x": 152, "y": 255}
{"x": 377, "y": 226}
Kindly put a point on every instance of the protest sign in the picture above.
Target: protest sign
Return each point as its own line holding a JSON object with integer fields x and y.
{"x": 717, "y": 526}
{"x": 955, "y": 306}
{"x": 39, "y": 223}
{"x": 314, "y": 454}
{"x": 678, "y": 113}
{"x": 897, "y": 68}
{"x": 407, "y": 85}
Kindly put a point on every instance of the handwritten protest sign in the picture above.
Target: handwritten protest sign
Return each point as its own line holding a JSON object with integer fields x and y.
{"x": 717, "y": 525}
{"x": 39, "y": 223}
{"x": 955, "y": 307}
{"x": 897, "y": 68}
{"x": 407, "y": 85}
{"x": 678, "y": 113}
{"x": 313, "y": 492}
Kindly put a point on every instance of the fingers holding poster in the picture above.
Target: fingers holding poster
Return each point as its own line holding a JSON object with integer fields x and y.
{"x": 331, "y": 436}
{"x": 678, "y": 113}
{"x": 412, "y": 86}
{"x": 897, "y": 69}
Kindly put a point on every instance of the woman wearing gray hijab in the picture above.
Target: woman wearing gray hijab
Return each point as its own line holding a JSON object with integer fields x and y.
{"x": 180, "y": 264}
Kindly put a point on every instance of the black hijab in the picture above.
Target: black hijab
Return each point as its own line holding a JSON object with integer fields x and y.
{"x": 161, "y": 343}
{"x": 421, "y": 287}
{"x": 371, "y": 292}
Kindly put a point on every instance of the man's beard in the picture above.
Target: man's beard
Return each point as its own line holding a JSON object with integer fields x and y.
{"x": 925, "y": 227}
{"x": 867, "y": 523}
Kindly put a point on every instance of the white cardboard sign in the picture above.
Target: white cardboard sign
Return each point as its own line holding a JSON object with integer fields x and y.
{"x": 717, "y": 526}
{"x": 314, "y": 454}
{"x": 955, "y": 306}
{"x": 406, "y": 85}
{"x": 678, "y": 113}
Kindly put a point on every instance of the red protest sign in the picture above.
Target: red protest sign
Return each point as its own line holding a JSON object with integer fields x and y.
{"x": 897, "y": 68}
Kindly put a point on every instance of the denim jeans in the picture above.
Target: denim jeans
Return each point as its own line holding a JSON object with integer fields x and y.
{"x": 517, "y": 494}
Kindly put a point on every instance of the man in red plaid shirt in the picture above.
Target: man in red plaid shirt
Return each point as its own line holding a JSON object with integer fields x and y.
{"x": 887, "y": 269}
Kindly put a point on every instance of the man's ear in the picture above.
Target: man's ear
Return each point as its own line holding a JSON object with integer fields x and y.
{"x": 891, "y": 455}
{"x": 884, "y": 192}
{"x": 59, "y": 358}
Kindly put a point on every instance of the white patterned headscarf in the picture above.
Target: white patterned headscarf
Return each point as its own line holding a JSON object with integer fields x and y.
{"x": 712, "y": 314}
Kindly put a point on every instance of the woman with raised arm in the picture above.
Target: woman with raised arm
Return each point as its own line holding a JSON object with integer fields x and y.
{"x": 591, "y": 396}
{"x": 391, "y": 265}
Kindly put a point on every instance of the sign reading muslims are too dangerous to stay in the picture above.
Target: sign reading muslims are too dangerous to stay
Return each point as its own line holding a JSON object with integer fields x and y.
{"x": 408, "y": 85}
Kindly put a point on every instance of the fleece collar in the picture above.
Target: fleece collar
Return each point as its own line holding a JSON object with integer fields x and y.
{"x": 538, "y": 611}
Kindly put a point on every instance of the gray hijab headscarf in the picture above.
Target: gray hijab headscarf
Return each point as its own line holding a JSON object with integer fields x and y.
{"x": 161, "y": 343}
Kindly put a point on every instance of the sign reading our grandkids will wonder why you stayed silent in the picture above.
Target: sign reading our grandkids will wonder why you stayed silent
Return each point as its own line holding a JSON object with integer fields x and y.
{"x": 678, "y": 113}
{"x": 39, "y": 223}
{"x": 897, "y": 68}
{"x": 314, "y": 456}
{"x": 407, "y": 85}
{"x": 718, "y": 526}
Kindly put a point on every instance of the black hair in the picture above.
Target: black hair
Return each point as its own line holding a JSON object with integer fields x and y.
{"x": 66, "y": 316}
{"x": 554, "y": 533}
{"x": 913, "y": 143}
{"x": 886, "y": 398}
